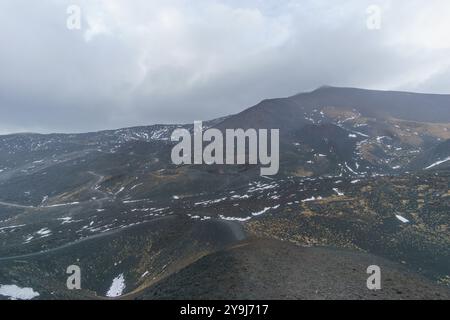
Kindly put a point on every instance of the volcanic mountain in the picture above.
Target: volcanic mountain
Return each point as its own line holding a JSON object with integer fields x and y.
{"x": 364, "y": 179}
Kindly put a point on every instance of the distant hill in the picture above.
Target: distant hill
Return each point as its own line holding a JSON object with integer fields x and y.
{"x": 289, "y": 113}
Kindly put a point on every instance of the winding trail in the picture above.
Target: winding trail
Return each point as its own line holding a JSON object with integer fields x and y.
{"x": 92, "y": 187}
{"x": 69, "y": 244}
{"x": 14, "y": 205}
{"x": 236, "y": 228}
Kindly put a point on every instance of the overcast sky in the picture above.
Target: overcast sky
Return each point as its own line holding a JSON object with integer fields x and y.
{"x": 143, "y": 62}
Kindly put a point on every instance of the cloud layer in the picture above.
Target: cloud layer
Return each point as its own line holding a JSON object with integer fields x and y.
{"x": 145, "y": 61}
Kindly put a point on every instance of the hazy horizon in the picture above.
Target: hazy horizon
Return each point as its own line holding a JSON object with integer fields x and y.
{"x": 218, "y": 117}
{"x": 155, "y": 62}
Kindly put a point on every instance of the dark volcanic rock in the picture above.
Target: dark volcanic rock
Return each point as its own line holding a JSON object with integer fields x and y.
{"x": 270, "y": 269}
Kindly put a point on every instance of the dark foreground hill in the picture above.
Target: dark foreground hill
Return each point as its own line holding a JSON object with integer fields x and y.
{"x": 271, "y": 269}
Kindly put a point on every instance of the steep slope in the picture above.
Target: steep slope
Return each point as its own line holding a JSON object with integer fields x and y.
{"x": 360, "y": 131}
{"x": 437, "y": 157}
{"x": 292, "y": 112}
{"x": 270, "y": 269}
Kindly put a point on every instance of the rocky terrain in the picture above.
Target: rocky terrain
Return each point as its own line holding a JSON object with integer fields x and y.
{"x": 364, "y": 179}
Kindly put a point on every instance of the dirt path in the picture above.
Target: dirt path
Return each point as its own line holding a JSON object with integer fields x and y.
{"x": 92, "y": 187}
{"x": 14, "y": 205}
{"x": 67, "y": 245}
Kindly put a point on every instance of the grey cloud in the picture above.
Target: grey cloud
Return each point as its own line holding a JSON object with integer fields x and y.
{"x": 145, "y": 62}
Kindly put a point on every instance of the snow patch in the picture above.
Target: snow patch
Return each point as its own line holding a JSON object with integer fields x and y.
{"x": 66, "y": 220}
{"x": 44, "y": 232}
{"x": 135, "y": 186}
{"x": 338, "y": 192}
{"x": 14, "y": 292}
{"x": 117, "y": 287}
{"x": 234, "y": 218}
{"x": 312, "y": 199}
{"x": 255, "y": 214}
{"x": 437, "y": 163}
{"x": 350, "y": 169}
{"x": 402, "y": 219}
{"x": 120, "y": 190}
{"x": 62, "y": 205}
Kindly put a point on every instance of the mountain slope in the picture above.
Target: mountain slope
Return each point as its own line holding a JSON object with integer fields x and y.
{"x": 360, "y": 131}
{"x": 289, "y": 113}
{"x": 361, "y": 170}
{"x": 437, "y": 157}
{"x": 270, "y": 269}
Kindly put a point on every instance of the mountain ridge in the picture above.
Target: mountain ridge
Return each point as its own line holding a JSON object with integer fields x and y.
{"x": 263, "y": 103}
{"x": 115, "y": 201}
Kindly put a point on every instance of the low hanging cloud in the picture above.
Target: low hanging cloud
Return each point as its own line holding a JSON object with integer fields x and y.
{"x": 144, "y": 62}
